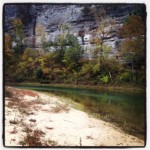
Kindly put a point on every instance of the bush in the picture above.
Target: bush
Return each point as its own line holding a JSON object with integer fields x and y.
{"x": 126, "y": 76}
{"x": 38, "y": 73}
{"x": 104, "y": 79}
{"x": 87, "y": 69}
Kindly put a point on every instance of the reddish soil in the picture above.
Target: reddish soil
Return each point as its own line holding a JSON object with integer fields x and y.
{"x": 25, "y": 93}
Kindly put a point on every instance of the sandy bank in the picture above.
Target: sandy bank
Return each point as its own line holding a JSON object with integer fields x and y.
{"x": 36, "y": 119}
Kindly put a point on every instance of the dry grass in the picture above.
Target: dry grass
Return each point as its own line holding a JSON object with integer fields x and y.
{"x": 89, "y": 137}
{"x": 32, "y": 120}
{"x": 14, "y": 121}
{"x": 28, "y": 104}
{"x": 27, "y": 129}
{"x": 60, "y": 108}
{"x": 49, "y": 128}
{"x": 24, "y": 111}
{"x": 34, "y": 138}
{"x": 14, "y": 131}
{"x": 45, "y": 110}
{"x": 31, "y": 140}
{"x": 8, "y": 93}
{"x": 16, "y": 100}
{"x": 10, "y": 104}
{"x": 17, "y": 93}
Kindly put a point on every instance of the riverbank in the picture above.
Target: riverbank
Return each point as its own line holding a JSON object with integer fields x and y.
{"x": 38, "y": 119}
{"x": 115, "y": 87}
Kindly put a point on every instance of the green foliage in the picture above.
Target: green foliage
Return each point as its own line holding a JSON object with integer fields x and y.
{"x": 18, "y": 29}
{"x": 126, "y": 76}
{"x": 38, "y": 73}
{"x": 87, "y": 69}
{"x": 101, "y": 51}
{"x": 72, "y": 56}
{"x": 18, "y": 35}
{"x": 67, "y": 40}
{"x": 63, "y": 27}
{"x": 96, "y": 68}
{"x": 66, "y": 65}
{"x": 71, "y": 40}
{"x": 104, "y": 79}
{"x": 141, "y": 76}
{"x": 29, "y": 54}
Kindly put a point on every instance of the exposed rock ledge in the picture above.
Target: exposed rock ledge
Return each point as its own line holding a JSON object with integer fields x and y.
{"x": 37, "y": 119}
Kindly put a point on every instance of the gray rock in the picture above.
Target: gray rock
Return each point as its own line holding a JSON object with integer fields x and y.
{"x": 76, "y": 17}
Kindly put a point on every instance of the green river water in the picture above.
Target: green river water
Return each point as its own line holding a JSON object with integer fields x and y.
{"x": 125, "y": 110}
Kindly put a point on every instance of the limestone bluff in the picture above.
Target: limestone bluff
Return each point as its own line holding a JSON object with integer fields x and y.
{"x": 50, "y": 17}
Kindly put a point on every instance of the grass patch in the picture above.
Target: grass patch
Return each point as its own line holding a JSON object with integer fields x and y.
{"x": 60, "y": 108}
{"x": 14, "y": 121}
{"x": 14, "y": 131}
{"x": 32, "y": 120}
{"x": 49, "y": 128}
{"x": 34, "y": 138}
{"x": 8, "y": 93}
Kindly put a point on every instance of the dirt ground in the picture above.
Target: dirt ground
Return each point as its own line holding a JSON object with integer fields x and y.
{"x": 37, "y": 119}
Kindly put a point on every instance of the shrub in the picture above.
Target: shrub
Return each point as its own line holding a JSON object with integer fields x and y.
{"x": 38, "y": 73}
{"x": 126, "y": 76}
{"x": 104, "y": 79}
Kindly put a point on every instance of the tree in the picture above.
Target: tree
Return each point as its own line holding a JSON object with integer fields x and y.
{"x": 105, "y": 27}
{"x": 72, "y": 56}
{"x": 18, "y": 30}
{"x": 63, "y": 43}
{"x": 64, "y": 28}
{"x": 71, "y": 40}
{"x": 26, "y": 66}
{"x": 133, "y": 27}
{"x": 132, "y": 48}
{"x": 8, "y": 50}
{"x": 38, "y": 73}
{"x": 8, "y": 56}
{"x": 81, "y": 33}
{"x": 18, "y": 34}
{"x": 104, "y": 30}
{"x": 41, "y": 35}
{"x": 133, "y": 31}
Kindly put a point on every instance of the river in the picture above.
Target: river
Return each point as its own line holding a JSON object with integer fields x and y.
{"x": 125, "y": 110}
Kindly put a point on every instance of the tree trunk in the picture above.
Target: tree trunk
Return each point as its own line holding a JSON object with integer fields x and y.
{"x": 110, "y": 76}
{"x": 82, "y": 37}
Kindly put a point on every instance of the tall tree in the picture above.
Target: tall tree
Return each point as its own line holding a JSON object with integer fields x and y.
{"x": 133, "y": 27}
{"x": 103, "y": 31}
{"x": 18, "y": 35}
{"x": 133, "y": 46}
{"x": 7, "y": 44}
{"x": 105, "y": 27}
{"x": 133, "y": 32}
{"x": 18, "y": 29}
{"x": 41, "y": 35}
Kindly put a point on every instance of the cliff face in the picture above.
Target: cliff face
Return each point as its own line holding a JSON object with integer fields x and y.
{"x": 77, "y": 16}
{"x": 51, "y": 18}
